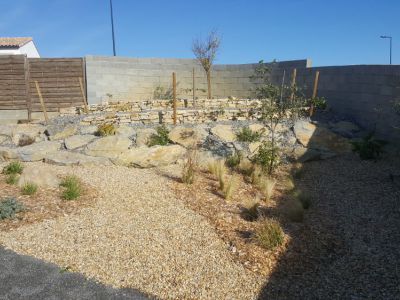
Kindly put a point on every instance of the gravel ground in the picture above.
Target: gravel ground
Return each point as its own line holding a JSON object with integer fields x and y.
{"x": 138, "y": 236}
{"x": 348, "y": 245}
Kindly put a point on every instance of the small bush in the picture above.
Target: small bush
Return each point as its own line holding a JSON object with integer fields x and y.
{"x": 106, "y": 129}
{"x": 369, "y": 147}
{"x": 161, "y": 138}
{"x": 303, "y": 197}
{"x": 72, "y": 187}
{"x": 14, "y": 167}
{"x": 248, "y": 136}
{"x": 9, "y": 207}
{"x": 267, "y": 157}
{"x": 228, "y": 187}
{"x": 29, "y": 188}
{"x": 190, "y": 167}
{"x": 319, "y": 102}
{"x": 295, "y": 210}
{"x": 25, "y": 140}
{"x": 12, "y": 179}
{"x": 234, "y": 160}
{"x": 270, "y": 234}
{"x": 250, "y": 210}
{"x": 267, "y": 186}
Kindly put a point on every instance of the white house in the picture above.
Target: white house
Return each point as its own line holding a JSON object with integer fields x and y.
{"x": 18, "y": 45}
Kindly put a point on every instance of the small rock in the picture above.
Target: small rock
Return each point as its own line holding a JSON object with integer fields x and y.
{"x": 42, "y": 176}
{"x": 224, "y": 133}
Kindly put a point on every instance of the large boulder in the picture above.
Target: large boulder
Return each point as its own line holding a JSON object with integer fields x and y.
{"x": 88, "y": 129}
{"x": 42, "y": 175}
{"x": 56, "y": 132}
{"x": 156, "y": 156}
{"x": 321, "y": 138}
{"x": 109, "y": 146}
{"x": 187, "y": 137}
{"x": 224, "y": 133}
{"x": 9, "y": 153}
{"x": 77, "y": 141}
{"x": 125, "y": 130}
{"x": 143, "y": 136}
{"x": 25, "y": 132}
{"x": 37, "y": 151}
{"x": 65, "y": 158}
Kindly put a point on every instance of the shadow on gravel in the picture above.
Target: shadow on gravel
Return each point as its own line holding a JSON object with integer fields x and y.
{"x": 347, "y": 246}
{"x": 24, "y": 277}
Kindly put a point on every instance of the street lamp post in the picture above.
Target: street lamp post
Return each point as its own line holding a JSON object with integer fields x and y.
{"x": 112, "y": 27}
{"x": 390, "y": 53}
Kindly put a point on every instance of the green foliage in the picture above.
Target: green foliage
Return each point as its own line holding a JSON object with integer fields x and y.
{"x": 106, "y": 129}
{"x": 12, "y": 179}
{"x": 234, "y": 160}
{"x": 318, "y": 102}
{"x": 72, "y": 187}
{"x": 9, "y": 207}
{"x": 14, "y": 167}
{"x": 248, "y": 136}
{"x": 190, "y": 167}
{"x": 267, "y": 157}
{"x": 270, "y": 234}
{"x": 161, "y": 138}
{"x": 369, "y": 147}
{"x": 162, "y": 93}
{"x": 29, "y": 188}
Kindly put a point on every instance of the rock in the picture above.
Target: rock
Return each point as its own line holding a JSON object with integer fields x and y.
{"x": 259, "y": 128}
{"x": 109, "y": 146}
{"x": 217, "y": 147}
{"x": 224, "y": 133}
{"x": 58, "y": 132}
{"x": 9, "y": 153}
{"x": 25, "y": 132}
{"x": 77, "y": 141}
{"x": 253, "y": 147}
{"x": 88, "y": 129}
{"x": 302, "y": 154}
{"x": 6, "y": 130}
{"x": 125, "y": 130}
{"x": 156, "y": 156}
{"x": 321, "y": 138}
{"x": 3, "y": 139}
{"x": 37, "y": 151}
{"x": 187, "y": 137}
{"x": 143, "y": 136}
{"x": 65, "y": 158}
{"x": 43, "y": 176}
{"x": 345, "y": 128}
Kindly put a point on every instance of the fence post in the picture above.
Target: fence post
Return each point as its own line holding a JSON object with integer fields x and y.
{"x": 42, "y": 102}
{"x": 28, "y": 88}
{"x": 194, "y": 91}
{"x": 294, "y": 74}
{"x": 84, "y": 96}
{"x": 174, "y": 96}
{"x": 314, "y": 94}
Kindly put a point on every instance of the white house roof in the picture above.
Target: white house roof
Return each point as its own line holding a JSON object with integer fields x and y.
{"x": 14, "y": 42}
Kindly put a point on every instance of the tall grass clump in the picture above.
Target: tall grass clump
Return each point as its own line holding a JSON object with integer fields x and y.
{"x": 190, "y": 167}
{"x": 72, "y": 187}
{"x": 250, "y": 209}
{"x": 270, "y": 235}
{"x": 267, "y": 186}
{"x": 106, "y": 129}
{"x": 218, "y": 169}
{"x": 29, "y": 188}
{"x": 12, "y": 179}
{"x": 228, "y": 187}
{"x": 14, "y": 167}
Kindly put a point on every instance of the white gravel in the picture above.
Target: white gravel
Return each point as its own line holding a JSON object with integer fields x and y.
{"x": 139, "y": 236}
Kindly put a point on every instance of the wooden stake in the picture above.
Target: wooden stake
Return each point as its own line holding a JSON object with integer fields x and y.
{"x": 83, "y": 96}
{"x": 194, "y": 91}
{"x": 314, "y": 94}
{"x": 294, "y": 74}
{"x": 42, "y": 102}
{"x": 174, "y": 96}
{"x": 28, "y": 89}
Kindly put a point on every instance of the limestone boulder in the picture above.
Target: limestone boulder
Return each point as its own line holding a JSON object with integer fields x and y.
{"x": 224, "y": 132}
{"x": 143, "y": 136}
{"x": 148, "y": 157}
{"x": 77, "y": 141}
{"x": 321, "y": 138}
{"x": 56, "y": 132}
{"x": 25, "y": 132}
{"x": 65, "y": 158}
{"x": 42, "y": 175}
{"x": 109, "y": 146}
{"x": 125, "y": 130}
{"x": 88, "y": 129}
{"x": 187, "y": 137}
{"x": 37, "y": 151}
{"x": 9, "y": 153}
{"x": 345, "y": 128}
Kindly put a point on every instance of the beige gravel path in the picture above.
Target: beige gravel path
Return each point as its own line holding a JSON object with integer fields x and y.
{"x": 139, "y": 236}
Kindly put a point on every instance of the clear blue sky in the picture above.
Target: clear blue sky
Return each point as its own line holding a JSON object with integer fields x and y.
{"x": 330, "y": 32}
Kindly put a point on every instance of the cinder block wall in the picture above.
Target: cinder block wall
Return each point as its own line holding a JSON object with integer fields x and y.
{"x": 127, "y": 79}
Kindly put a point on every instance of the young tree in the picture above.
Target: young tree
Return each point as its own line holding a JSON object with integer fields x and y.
{"x": 205, "y": 52}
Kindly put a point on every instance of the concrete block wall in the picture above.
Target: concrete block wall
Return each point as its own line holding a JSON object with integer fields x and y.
{"x": 130, "y": 79}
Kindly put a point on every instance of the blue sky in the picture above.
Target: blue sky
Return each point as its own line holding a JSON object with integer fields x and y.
{"x": 330, "y": 32}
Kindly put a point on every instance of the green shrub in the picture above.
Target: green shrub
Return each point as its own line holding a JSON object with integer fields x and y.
{"x": 106, "y": 129}
{"x": 369, "y": 147}
{"x": 161, "y": 138}
{"x": 247, "y": 135}
{"x": 249, "y": 210}
{"x": 14, "y": 167}
{"x": 267, "y": 157}
{"x": 234, "y": 160}
{"x": 189, "y": 167}
{"x": 318, "y": 102}
{"x": 72, "y": 187}
{"x": 12, "y": 179}
{"x": 9, "y": 207}
{"x": 303, "y": 197}
{"x": 270, "y": 234}
{"x": 29, "y": 188}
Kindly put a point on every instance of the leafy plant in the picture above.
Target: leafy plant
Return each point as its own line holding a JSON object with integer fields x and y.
{"x": 250, "y": 209}
{"x": 270, "y": 234}
{"x": 234, "y": 160}
{"x": 318, "y": 102}
{"x": 12, "y": 179}
{"x": 72, "y": 187}
{"x": 29, "y": 188}
{"x": 247, "y": 135}
{"x": 161, "y": 138}
{"x": 9, "y": 207}
{"x": 106, "y": 129}
{"x": 14, "y": 167}
{"x": 267, "y": 157}
{"x": 369, "y": 147}
{"x": 189, "y": 167}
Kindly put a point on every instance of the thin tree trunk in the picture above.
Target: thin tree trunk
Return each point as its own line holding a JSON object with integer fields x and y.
{"x": 209, "y": 84}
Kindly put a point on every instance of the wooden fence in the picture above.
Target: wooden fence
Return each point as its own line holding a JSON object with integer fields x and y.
{"x": 61, "y": 82}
